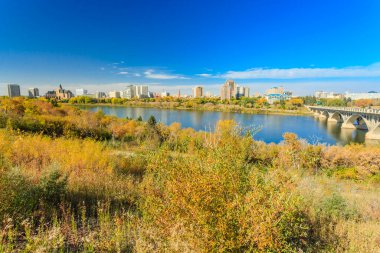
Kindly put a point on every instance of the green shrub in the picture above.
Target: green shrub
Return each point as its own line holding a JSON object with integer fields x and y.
{"x": 337, "y": 207}
{"x": 347, "y": 173}
{"x": 18, "y": 197}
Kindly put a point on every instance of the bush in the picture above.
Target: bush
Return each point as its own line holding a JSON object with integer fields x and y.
{"x": 336, "y": 207}
{"x": 18, "y": 197}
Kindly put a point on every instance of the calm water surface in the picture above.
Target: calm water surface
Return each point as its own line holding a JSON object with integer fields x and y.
{"x": 272, "y": 126}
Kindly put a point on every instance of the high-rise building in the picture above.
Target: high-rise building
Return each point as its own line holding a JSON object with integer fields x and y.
{"x": 33, "y": 92}
{"x": 100, "y": 94}
{"x": 228, "y": 90}
{"x": 142, "y": 91}
{"x": 14, "y": 90}
{"x": 114, "y": 94}
{"x": 81, "y": 92}
{"x": 129, "y": 92}
{"x": 198, "y": 92}
{"x": 242, "y": 91}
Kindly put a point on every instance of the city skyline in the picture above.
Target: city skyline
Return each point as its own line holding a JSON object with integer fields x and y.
{"x": 175, "y": 45}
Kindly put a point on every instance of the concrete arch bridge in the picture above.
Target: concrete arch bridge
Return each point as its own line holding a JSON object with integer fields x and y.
{"x": 351, "y": 118}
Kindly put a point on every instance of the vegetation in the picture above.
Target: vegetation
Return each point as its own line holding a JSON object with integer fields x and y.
{"x": 243, "y": 105}
{"x": 72, "y": 180}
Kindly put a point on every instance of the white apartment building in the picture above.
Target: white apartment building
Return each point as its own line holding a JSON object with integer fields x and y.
{"x": 114, "y": 94}
{"x": 142, "y": 91}
{"x": 81, "y": 92}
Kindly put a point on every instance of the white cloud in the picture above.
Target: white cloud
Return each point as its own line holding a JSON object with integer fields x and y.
{"x": 137, "y": 74}
{"x": 295, "y": 73}
{"x": 152, "y": 75}
{"x": 204, "y": 75}
{"x": 123, "y": 73}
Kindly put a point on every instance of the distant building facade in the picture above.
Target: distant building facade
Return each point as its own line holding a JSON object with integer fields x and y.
{"x": 208, "y": 94}
{"x": 142, "y": 91}
{"x": 114, "y": 94}
{"x": 165, "y": 94}
{"x": 242, "y": 91}
{"x": 325, "y": 94}
{"x": 129, "y": 92}
{"x": 357, "y": 96}
{"x": 100, "y": 94}
{"x": 81, "y": 92}
{"x": 14, "y": 90}
{"x": 198, "y": 92}
{"x": 228, "y": 90}
{"x": 277, "y": 94}
{"x": 59, "y": 93}
{"x": 33, "y": 92}
{"x": 139, "y": 91}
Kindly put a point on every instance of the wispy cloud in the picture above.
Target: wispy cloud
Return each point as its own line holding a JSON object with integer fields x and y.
{"x": 204, "y": 75}
{"x": 151, "y": 74}
{"x": 296, "y": 73}
{"x": 123, "y": 73}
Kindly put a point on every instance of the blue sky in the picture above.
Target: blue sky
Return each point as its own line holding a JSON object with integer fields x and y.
{"x": 105, "y": 45}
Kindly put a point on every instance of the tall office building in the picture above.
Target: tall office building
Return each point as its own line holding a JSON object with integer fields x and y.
{"x": 228, "y": 90}
{"x": 14, "y": 90}
{"x": 33, "y": 92}
{"x": 198, "y": 91}
{"x": 242, "y": 91}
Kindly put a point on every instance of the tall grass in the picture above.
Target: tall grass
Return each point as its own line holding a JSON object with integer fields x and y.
{"x": 156, "y": 188}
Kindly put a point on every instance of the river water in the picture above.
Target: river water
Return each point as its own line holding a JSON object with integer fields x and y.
{"x": 272, "y": 127}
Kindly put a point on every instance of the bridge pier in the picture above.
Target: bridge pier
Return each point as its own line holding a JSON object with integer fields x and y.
{"x": 374, "y": 133}
{"x": 332, "y": 120}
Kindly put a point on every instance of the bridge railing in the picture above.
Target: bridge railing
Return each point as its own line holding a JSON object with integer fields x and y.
{"x": 347, "y": 109}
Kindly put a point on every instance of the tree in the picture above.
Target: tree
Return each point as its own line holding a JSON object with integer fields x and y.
{"x": 152, "y": 121}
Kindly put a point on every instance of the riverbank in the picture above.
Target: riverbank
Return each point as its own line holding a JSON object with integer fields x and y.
{"x": 302, "y": 111}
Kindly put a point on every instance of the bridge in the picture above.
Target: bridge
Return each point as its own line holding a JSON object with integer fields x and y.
{"x": 351, "y": 118}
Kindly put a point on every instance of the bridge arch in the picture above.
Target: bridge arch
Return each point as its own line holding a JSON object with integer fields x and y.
{"x": 336, "y": 117}
{"x": 356, "y": 121}
{"x": 324, "y": 114}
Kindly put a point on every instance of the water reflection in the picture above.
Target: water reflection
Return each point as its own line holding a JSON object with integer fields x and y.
{"x": 342, "y": 135}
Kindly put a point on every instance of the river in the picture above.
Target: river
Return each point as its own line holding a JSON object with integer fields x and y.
{"x": 272, "y": 127}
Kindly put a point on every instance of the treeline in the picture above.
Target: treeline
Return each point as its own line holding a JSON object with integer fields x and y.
{"x": 339, "y": 102}
{"x": 146, "y": 187}
{"x": 244, "y": 102}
